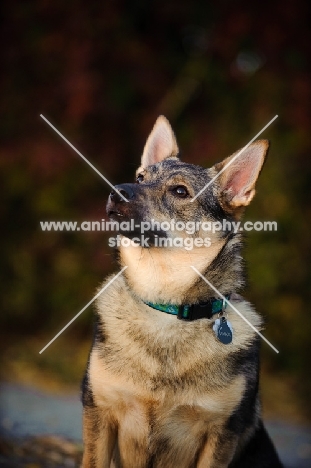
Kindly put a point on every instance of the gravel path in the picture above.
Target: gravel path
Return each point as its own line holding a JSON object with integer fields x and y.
{"x": 42, "y": 430}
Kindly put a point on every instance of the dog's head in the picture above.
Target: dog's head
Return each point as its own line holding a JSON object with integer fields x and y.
{"x": 170, "y": 194}
{"x": 166, "y": 188}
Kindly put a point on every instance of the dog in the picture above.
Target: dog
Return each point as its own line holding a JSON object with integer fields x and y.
{"x": 172, "y": 376}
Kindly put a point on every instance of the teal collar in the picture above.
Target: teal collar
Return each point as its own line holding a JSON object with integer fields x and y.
{"x": 194, "y": 311}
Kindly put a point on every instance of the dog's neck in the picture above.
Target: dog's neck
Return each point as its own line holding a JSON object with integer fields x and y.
{"x": 164, "y": 275}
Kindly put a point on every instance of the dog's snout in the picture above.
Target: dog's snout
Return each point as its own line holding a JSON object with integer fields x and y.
{"x": 116, "y": 196}
{"x": 122, "y": 189}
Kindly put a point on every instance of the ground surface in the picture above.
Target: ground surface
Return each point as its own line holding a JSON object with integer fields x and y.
{"x": 43, "y": 430}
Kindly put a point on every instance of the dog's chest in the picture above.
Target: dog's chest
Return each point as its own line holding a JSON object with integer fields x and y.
{"x": 149, "y": 353}
{"x": 161, "y": 380}
{"x": 160, "y": 414}
{"x": 142, "y": 373}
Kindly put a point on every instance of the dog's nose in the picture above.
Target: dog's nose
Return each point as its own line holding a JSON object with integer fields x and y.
{"x": 123, "y": 189}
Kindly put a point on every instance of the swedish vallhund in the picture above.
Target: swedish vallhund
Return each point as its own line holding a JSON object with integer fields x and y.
{"x": 172, "y": 377}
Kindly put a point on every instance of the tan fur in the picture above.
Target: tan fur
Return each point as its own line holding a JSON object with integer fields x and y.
{"x": 98, "y": 450}
{"x": 127, "y": 392}
{"x": 161, "y": 392}
{"x": 168, "y": 270}
{"x": 212, "y": 457}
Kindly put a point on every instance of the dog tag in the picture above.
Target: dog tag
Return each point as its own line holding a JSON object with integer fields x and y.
{"x": 223, "y": 330}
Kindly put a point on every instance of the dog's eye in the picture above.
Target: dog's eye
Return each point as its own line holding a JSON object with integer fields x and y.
{"x": 180, "y": 191}
{"x": 139, "y": 178}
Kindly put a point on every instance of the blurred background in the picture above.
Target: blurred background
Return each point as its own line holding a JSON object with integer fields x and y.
{"x": 102, "y": 72}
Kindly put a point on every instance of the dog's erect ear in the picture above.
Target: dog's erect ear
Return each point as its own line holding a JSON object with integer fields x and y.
{"x": 161, "y": 143}
{"x": 238, "y": 179}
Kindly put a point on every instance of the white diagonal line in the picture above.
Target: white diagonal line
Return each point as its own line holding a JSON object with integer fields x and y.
{"x": 233, "y": 159}
{"x": 85, "y": 307}
{"x": 83, "y": 157}
{"x": 235, "y": 309}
